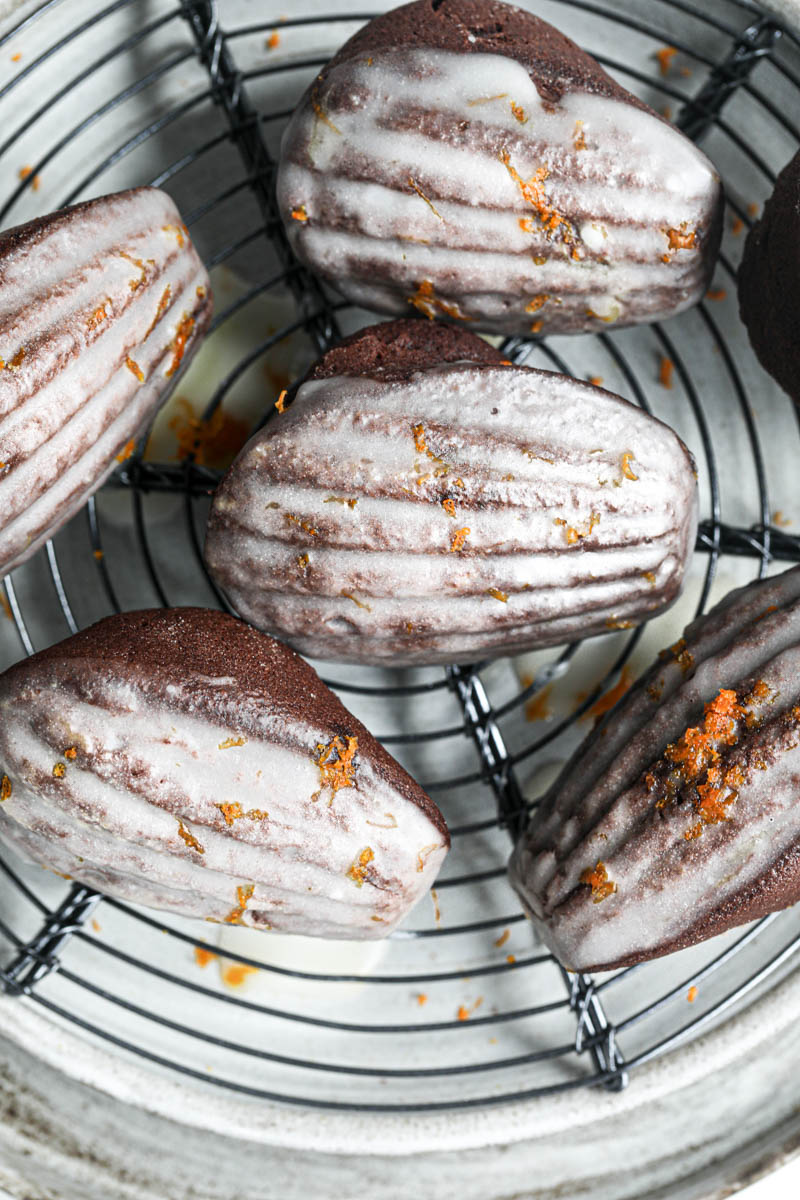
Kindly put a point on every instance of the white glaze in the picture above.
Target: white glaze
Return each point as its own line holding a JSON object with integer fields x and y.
{"x": 136, "y": 812}
{"x": 356, "y": 176}
{"x": 387, "y": 560}
{"x": 601, "y": 808}
{"x": 73, "y": 403}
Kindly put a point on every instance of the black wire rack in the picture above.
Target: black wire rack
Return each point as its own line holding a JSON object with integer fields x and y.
{"x": 411, "y": 1032}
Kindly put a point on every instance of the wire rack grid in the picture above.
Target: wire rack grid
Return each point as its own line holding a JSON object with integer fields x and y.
{"x": 410, "y": 1032}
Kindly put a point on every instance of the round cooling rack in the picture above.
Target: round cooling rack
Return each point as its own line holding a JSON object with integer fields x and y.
{"x": 460, "y": 1024}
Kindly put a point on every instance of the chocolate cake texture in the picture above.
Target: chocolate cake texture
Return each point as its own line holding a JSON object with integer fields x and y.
{"x": 464, "y": 158}
{"x": 179, "y": 759}
{"x": 101, "y": 306}
{"x": 769, "y": 282}
{"x": 678, "y": 818}
{"x": 421, "y": 500}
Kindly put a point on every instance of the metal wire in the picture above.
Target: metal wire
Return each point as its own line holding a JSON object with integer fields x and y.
{"x": 55, "y": 956}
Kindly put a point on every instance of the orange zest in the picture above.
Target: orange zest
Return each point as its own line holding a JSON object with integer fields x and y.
{"x": 213, "y": 442}
{"x": 357, "y": 870}
{"x": 339, "y": 771}
{"x": 179, "y": 343}
{"x": 244, "y": 893}
{"x": 627, "y": 459}
{"x": 428, "y": 303}
{"x": 319, "y": 112}
{"x": 536, "y": 303}
{"x": 610, "y": 698}
{"x": 97, "y": 316}
{"x": 306, "y": 526}
{"x": 682, "y": 239}
{"x": 235, "y": 975}
{"x": 415, "y": 187}
{"x": 664, "y": 56}
{"x": 597, "y": 879}
{"x": 533, "y": 192}
{"x": 188, "y": 837}
{"x": 458, "y": 539}
{"x": 25, "y": 173}
{"x": 134, "y": 368}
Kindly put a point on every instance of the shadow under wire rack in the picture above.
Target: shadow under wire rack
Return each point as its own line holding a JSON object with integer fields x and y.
{"x": 192, "y": 97}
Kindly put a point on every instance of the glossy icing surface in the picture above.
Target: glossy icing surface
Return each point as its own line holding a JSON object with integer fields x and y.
{"x": 225, "y": 782}
{"x": 459, "y": 511}
{"x": 678, "y": 816}
{"x": 418, "y": 177}
{"x": 100, "y": 307}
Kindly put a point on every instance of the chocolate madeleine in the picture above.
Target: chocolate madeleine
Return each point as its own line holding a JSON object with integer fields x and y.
{"x": 769, "y": 282}
{"x": 678, "y": 817}
{"x": 423, "y": 501}
{"x": 464, "y": 157}
{"x": 101, "y": 305}
{"x": 179, "y": 759}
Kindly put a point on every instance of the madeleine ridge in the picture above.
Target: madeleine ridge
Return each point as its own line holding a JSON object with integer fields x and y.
{"x": 178, "y": 758}
{"x": 101, "y": 307}
{"x": 422, "y": 501}
{"x": 678, "y": 818}
{"x": 465, "y": 158}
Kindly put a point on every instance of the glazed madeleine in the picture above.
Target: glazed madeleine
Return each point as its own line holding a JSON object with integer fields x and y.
{"x": 179, "y": 759}
{"x": 465, "y": 158}
{"x": 678, "y": 818}
{"x": 769, "y": 282}
{"x": 423, "y": 501}
{"x": 101, "y": 306}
